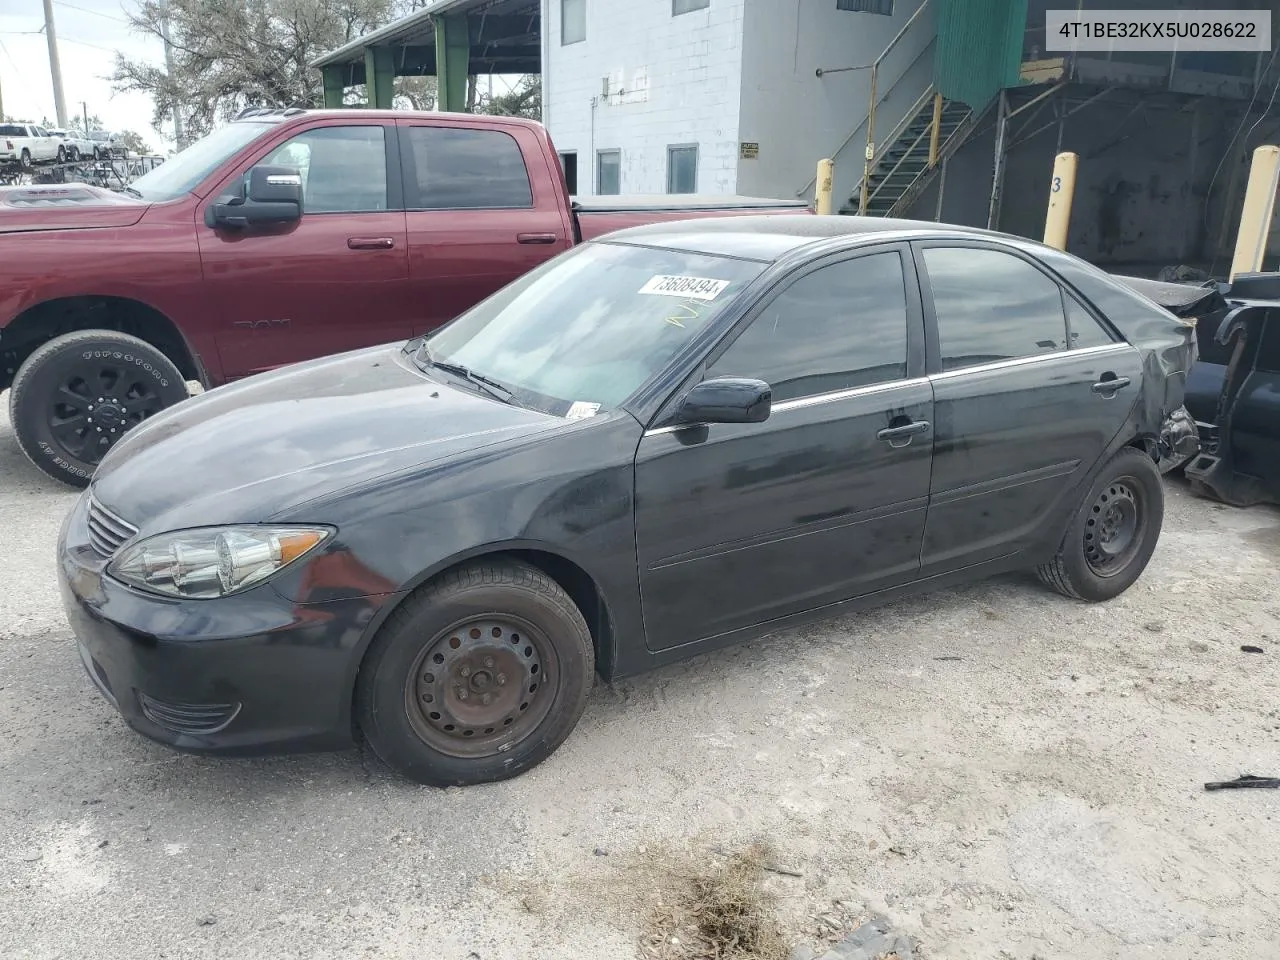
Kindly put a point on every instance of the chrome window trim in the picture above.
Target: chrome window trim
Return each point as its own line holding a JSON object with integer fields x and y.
{"x": 1025, "y": 361}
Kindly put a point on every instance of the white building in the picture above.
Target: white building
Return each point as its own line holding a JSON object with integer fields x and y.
{"x": 712, "y": 96}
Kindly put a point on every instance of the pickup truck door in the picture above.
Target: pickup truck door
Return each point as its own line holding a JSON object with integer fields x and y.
{"x": 337, "y": 279}
{"x": 481, "y": 209}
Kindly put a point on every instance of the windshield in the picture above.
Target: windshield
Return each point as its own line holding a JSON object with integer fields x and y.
{"x": 585, "y": 331}
{"x": 183, "y": 171}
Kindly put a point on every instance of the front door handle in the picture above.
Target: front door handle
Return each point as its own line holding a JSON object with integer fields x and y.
{"x": 1108, "y": 386}
{"x": 536, "y": 238}
{"x": 370, "y": 243}
{"x": 901, "y": 436}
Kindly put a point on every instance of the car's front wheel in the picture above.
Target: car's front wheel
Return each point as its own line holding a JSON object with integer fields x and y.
{"x": 478, "y": 676}
{"x": 78, "y": 394}
{"x": 1113, "y": 533}
{"x": 62, "y": 155}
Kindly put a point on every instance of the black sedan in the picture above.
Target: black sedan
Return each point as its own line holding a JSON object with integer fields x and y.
{"x": 665, "y": 441}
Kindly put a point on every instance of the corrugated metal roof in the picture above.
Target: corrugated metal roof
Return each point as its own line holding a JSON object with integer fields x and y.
{"x": 979, "y": 49}
{"x": 418, "y": 28}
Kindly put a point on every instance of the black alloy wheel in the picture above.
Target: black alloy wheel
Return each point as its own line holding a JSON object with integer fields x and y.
{"x": 76, "y": 396}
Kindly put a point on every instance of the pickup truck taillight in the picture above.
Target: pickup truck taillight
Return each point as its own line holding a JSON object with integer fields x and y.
{"x": 8, "y": 144}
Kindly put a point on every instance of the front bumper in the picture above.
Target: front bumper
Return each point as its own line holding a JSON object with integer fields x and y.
{"x": 248, "y": 674}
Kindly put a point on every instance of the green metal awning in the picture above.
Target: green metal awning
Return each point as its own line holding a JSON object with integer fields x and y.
{"x": 463, "y": 36}
{"x": 979, "y": 51}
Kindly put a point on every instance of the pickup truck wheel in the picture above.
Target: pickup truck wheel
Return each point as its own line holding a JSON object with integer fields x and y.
{"x": 478, "y": 676}
{"x": 25, "y": 160}
{"x": 78, "y": 394}
{"x": 1114, "y": 531}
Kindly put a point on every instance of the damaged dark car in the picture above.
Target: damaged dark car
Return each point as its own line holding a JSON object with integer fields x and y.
{"x": 664, "y": 441}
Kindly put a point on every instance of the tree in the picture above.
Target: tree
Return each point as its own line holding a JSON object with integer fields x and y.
{"x": 524, "y": 100}
{"x": 133, "y": 141}
{"x": 78, "y": 127}
{"x": 230, "y": 54}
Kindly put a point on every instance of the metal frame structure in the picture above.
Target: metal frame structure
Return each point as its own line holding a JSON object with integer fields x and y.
{"x": 449, "y": 39}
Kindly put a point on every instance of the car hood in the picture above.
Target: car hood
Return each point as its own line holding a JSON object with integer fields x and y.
{"x": 251, "y": 450}
{"x": 72, "y": 206}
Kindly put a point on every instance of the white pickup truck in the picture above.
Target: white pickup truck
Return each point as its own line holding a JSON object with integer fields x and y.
{"x": 28, "y": 144}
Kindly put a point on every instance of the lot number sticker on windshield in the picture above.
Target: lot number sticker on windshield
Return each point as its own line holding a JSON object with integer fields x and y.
{"x": 695, "y": 288}
{"x": 580, "y": 409}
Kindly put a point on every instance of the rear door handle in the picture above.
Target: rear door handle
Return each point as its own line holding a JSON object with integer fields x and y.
{"x": 536, "y": 238}
{"x": 370, "y": 243}
{"x": 1110, "y": 386}
{"x": 903, "y": 433}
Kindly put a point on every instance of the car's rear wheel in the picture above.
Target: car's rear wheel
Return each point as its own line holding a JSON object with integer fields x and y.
{"x": 74, "y": 398}
{"x": 1114, "y": 531}
{"x": 25, "y": 160}
{"x": 480, "y": 675}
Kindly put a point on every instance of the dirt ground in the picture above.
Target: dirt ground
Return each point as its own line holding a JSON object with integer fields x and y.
{"x": 1001, "y": 772}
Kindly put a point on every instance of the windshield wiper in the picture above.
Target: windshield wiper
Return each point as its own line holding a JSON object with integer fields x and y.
{"x": 490, "y": 386}
{"x": 133, "y": 193}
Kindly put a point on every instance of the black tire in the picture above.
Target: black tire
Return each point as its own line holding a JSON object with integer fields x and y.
{"x": 26, "y": 160}
{"x": 97, "y": 154}
{"x": 419, "y": 689}
{"x": 76, "y": 395}
{"x": 62, "y": 154}
{"x": 75, "y": 154}
{"x": 1113, "y": 533}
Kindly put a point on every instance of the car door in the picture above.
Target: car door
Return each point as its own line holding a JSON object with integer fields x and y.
{"x": 476, "y": 220}
{"x": 335, "y": 280}
{"x": 737, "y": 524}
{"x": 1025, "y": 402}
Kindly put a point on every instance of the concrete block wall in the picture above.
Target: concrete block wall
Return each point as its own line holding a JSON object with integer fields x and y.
{"x": 680, "y": 79}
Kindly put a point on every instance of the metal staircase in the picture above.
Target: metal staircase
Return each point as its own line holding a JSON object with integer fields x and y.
{"x": 911, "y": 156}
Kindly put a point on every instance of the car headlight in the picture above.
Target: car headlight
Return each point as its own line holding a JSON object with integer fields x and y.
{"x": 212, "y": 562}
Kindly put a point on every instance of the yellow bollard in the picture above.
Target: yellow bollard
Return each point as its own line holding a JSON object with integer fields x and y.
{"x": 822, "y": 196}
{"x": 1257, "y": 212}
{"x": 1062, "y": 188}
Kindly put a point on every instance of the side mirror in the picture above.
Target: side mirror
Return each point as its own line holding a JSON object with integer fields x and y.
{"x": 272, "y": 195}
{"x": 727, "y": 400}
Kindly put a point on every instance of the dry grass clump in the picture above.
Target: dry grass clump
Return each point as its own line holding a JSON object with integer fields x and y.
{"x": 715, "y": 908}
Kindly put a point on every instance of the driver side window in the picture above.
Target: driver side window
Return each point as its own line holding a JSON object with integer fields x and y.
{"x": 344, "y": 169}
{"x": 840, "y": 327}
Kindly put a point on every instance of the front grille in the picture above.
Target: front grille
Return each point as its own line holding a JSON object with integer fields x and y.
{"x": 107, "y": 532}
{"x": 194, "y": 719}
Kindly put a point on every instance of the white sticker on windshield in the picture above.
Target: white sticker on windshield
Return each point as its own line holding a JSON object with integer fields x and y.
{"x": 696, "y": 288}
{"x": 581, "y": 409}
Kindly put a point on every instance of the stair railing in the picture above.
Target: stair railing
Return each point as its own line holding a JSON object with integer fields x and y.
{"x": 873, "y": 100}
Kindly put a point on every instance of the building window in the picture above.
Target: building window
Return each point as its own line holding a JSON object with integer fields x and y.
{"x": 883, "y": 7}
{"x": 573, "y": 21}
{"x": 682, "y": 169}
{"x": 608, "y": 172}
{"x": 569, "y": 164}
{"x": 688, "y": 6}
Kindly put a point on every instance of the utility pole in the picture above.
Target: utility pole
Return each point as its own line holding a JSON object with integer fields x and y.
{"x": 178, "y": 137}
{"x": 85, "y": 107}
{"x": 1, "y": 106}
{"x": 55, "y": 68}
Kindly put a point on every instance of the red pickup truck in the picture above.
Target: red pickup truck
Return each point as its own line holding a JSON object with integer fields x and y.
{"x": 282, "y": 236}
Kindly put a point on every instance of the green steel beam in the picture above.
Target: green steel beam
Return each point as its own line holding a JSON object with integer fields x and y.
{"x": 334, "y": 84}
{"x": 453, "y": 50}
{"x": 380, "y": 76}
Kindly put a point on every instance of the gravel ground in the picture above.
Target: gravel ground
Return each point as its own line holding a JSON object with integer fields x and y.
{"x": 998, "y": 771}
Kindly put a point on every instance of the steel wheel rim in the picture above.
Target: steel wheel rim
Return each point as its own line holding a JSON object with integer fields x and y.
{"x": 97, "y": 403}
{"x": 481, "y": 686}
{"x": 1114, "y": 528}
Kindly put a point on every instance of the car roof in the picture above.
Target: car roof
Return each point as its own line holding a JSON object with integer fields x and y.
{"x": 770, "y": 238}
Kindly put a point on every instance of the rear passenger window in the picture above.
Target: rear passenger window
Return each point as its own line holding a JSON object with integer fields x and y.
{"x": 1085, "y": 331}
{"x": 992, "y": 306}
{"x": 456, "y": 168}
{"x": 840, "y": 327}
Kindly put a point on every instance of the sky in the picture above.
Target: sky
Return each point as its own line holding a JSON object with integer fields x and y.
{"x": 89, "y": 34}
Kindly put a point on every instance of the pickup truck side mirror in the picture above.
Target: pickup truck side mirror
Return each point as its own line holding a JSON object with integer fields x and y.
{"x": 727, "y": 400}
{"x": 268, "y": 195}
